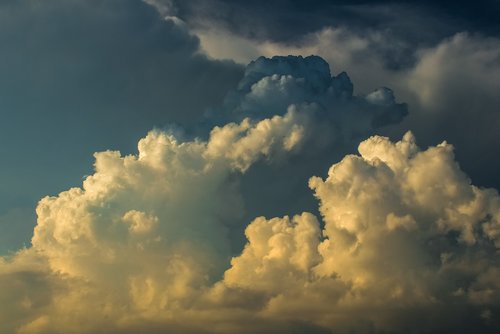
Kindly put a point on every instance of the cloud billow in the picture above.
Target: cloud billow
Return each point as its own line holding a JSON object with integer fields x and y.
{"x": 271, "y": 85}
{"x": 405, "y": 237}
{"x": 402, "y": 242}
{"x": 408, "y": 244}
{"x": 337, "y": 119}
{"x": 275, "y": 206}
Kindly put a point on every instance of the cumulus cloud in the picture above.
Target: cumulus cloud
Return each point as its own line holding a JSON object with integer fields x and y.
{"x": 450, "y": 85}
{"x": 405, "y": 243}
{"x": 336, "y": 119}
{"x": 147, "y": 232}
{"x": 406, "y": 237}
{"x": 446, "y": 72}
{"x": 271, "y": 85}
{"x": 151, "y": 242}
{"x": 401, "y": 242}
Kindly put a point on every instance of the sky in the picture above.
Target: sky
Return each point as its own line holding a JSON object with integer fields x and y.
{"x": 219, "y": 166}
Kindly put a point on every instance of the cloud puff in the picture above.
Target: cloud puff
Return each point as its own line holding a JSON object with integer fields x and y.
{"x": 270, "y": 85}
{"x": 336, "y": 120}
{"x": 406, "y": 237}
{"x": 147, "y": 232}
{"x": 171, "y": 193}
{"x": 446, "y": 73}
{"x": 405, "y": 243}
{"x": 450, "y": 87}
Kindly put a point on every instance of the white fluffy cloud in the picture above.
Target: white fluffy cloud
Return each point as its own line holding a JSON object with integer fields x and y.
{"x": 146, "y": 232}
{"x": 143, "y": 244}
{"x": 405, "y": 236}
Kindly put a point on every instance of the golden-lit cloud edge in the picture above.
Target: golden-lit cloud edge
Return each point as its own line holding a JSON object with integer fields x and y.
{"x": 144, "y": 245}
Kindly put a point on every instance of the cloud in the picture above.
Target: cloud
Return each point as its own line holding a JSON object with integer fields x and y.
{"x": 271, "y": 85}
{"x": 151, "y": 230}
{"x": 363, "y": 55}
{"x": 405, "y": 243}
{"x": 152, "y": 242}
{"x": 455, "y": 87}
{"x": 336, "y": 119}
{"x": 376, "y": 42}
{"x": 450, "y": 86}
{"x": 406, "y": 237}
{"x": 394, "y": 30}
{"x": 285, "y": 20}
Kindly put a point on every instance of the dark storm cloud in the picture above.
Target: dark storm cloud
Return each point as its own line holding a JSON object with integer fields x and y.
{"x": 285, "y": 19}
{"x": 409, "y": 24}
{"x": 79, "y": 76}
{"x": 418, "y": 48}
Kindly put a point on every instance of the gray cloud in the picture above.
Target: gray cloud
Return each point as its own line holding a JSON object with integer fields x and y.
{"x": 282, "y": 20}
{"x": 450, "y": 89}
{"x": 408, "y": 24}
{"x": 455, "y": 89}
{"x": 448, "y": 52}
{"x": 337, "y": 119}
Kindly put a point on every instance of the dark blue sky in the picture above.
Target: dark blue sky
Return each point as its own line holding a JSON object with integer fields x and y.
{"x": 79, "y": 77}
